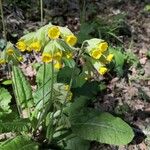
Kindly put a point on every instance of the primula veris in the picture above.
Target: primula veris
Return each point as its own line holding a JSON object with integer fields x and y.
{"x": 53, "y": 32}
{"x": 109, "y": 57}
{"x": 103, "y": 46}
{"x": 2, "y": 62}
{"x": 102, "y": 70}
{"x": 58, "y": 65}
{"x": 68, "y": 55}
{"x": 57, "y": 55}
{"x": 71, "y": 40}
{"x": 69, "y": 96}
{"x": 67, "y": 87}
{"x": 46, "y": 57}
{"x": 21, "y": 46}
{"x": 96, "y": 53}
{"x": 10, "y": 51}
{"x": 36, "y": 46}
{"x": 20, "y": 59}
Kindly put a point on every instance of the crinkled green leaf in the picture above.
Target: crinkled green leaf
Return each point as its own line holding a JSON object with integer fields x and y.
{"x": 22, "y": 88}
{"x": 19, "y": 143}
{"x": 119, "y": 60}
{"x": 102, "y": 127}
{"x": 14, "y": 125}
{"x": 76, "y": 143}
{"x": 5, "y": 99}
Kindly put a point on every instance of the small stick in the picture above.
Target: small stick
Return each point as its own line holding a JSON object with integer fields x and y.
{"x": 3, "y": 22}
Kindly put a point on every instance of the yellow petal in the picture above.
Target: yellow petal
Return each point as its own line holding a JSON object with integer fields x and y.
{"x": 53, "y": 32}
{"x": 2, "y": 62}
{"x": 71, "y": 40}
{"x": 21, "y": 46}
{"x": 102, "y": 70}
{"x": 103, "y": 46}
{"x": 58, "y": 65}
{"x": 46, "y": 57}
{"x": 109, "y": 57}
{"x": 96, "y": 53}
{"x": 36, "y": 46}
{"x": 57, "y": 56}
{"x": 10, "y": 51}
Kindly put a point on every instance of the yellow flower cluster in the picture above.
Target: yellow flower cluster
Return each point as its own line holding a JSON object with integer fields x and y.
{"x": 55, "y": 32}
{"x": 98, "y": 50}
{"x": 56, "y": 58}
{"x": 46, "y": 40}
{"x": 10, "y": 54}
{"x": 2, "y": 62}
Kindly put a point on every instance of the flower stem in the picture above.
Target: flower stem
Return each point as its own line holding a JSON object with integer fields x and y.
{"x": 3, "y": 22}
{"x": 50, "y": 133}
{"x": 70, "y": 84}
{"x": 41, "y": 7}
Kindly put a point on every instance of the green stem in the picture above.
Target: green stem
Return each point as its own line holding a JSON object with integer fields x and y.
{"x": 43, "y": 90}
{"x": 3, "y": 22}
{"x": 83, "y": 12}
{"x": 70, "y": 84}
{"x": 43, "y": 96}
{"x": 50, "y": 134}
{"x": 14, "y": 85}
{"x": 41, "y": 7}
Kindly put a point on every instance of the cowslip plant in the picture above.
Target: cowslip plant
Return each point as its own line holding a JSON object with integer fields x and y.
{"x": 56, "y": 114}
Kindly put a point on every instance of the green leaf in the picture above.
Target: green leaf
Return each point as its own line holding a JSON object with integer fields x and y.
{"x": 19, "y": 143}
{"x": 69, "y": 62}
{"x": 64, "y": 75}
{"x": 119, "y": 60}
{"x": 22, "y": 88}
{"x": 103, "y": 127}
{"x": 16, "y": 125}
{"x": 7, "y": 82}
{"x": 60, "y": 44}
{"x": 79, "y": 103}
{"x": 5, "y": 99}
{"x": 39, "y": 76}
{"x": 75, "y": 143}
{"x": 46, "y": 88}
{"x": 91, "y": 87}
{"x": 85, "y": 32}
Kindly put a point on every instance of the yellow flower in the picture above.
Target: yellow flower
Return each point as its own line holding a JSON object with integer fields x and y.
{"x": 86, "y": 78}
{"x": 103, "y": 46}
{"x": 67, "y": 87}
{"x": 102, "y": 70}
{"x": 36, "y": 46}
{"x": 69, "y": 96}
{"x": 21, "y": 46}
{"x": 71, "y": 40}
{"x": 57, "y": 56}
{"x": 58, "y": 65}
{"x": 109, "y": 57}
{"x": 10, "y": 51}
{"x": 96, "y": 53}
{"x": 68, "y": 55}
{"x": 53, "y": 32}
{"x": 2, "y": 62}
{"x": 20, "y": 59}
{"x": 46, "y": 57}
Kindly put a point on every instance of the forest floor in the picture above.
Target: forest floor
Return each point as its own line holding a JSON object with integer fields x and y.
{"x": 128, "y": 97}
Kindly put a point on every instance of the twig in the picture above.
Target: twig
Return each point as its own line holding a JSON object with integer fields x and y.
{"x": 3, "y": 22}
{"x": 41, "y": 6}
